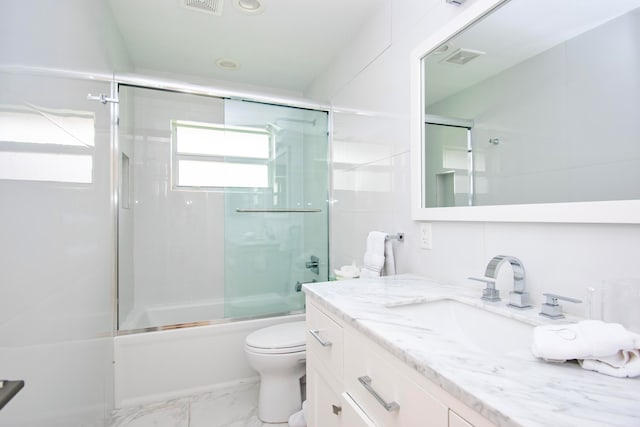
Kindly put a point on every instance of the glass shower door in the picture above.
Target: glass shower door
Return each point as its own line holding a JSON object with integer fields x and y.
{"x": 222, "y": 207}
{"x": 276, "y": 233}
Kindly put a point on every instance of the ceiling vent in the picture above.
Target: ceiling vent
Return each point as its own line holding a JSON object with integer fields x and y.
{"x": 462, "y": 56}
{"x": 212, "y": 7}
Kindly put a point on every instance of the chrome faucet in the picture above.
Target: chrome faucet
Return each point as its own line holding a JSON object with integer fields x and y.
{"x": 518, "y": 298}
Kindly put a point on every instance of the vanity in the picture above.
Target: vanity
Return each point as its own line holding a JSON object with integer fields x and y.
{"x": 407, "y": 351}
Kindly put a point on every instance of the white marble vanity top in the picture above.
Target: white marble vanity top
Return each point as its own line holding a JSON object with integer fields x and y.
{"x": 509, "y": 390}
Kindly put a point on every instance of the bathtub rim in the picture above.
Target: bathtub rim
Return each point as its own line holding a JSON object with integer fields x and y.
{"x": 211, "y": 322}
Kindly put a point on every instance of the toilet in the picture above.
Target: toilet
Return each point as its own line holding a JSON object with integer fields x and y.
{"x": 279, "y": 355}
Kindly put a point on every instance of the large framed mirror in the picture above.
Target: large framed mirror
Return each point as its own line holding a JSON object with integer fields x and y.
{"x": 529, "y": 110}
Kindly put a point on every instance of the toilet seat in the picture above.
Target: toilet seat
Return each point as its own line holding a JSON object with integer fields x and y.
{"x": 278, "y": 339}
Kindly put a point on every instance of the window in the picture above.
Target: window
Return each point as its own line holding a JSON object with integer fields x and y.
{"x": 211, "y": 155}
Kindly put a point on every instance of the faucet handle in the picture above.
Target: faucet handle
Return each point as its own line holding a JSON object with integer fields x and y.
{"x": 489, "y": 293}
{"x": 552, "y": 309}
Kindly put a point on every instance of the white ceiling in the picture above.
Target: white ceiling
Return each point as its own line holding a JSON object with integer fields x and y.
{"x": 284, "y": 47}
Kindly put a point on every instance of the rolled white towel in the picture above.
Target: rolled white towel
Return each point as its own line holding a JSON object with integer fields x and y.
{"x": 624, "y": 364}
{"x": 607, "y": 348}
{"x": 588, "y": 339}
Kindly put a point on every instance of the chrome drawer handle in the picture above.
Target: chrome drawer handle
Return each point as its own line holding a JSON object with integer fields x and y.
{"x": 366, "y": 382}
{"x": 316, "y": 335}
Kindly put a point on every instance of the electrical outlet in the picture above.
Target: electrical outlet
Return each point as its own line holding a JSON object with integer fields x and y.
{"x": 425, "y": 235}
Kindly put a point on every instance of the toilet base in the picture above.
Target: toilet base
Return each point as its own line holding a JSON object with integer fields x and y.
{"x": 279, "y": 398}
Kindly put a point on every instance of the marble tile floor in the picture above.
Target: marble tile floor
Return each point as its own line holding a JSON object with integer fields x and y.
{"x": 231, "y": 406}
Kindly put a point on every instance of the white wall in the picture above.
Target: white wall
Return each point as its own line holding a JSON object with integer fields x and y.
{"x": 371, "y": 185}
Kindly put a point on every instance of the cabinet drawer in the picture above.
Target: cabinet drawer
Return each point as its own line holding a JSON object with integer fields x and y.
{"x": 325, "y": 340}
{"x": 383, "y": 392}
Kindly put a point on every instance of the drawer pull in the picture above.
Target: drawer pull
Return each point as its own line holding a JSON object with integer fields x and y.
{"x": 337, "y": 410}
{"x": 316, "y": 335}
{"x": 366, "y": 382}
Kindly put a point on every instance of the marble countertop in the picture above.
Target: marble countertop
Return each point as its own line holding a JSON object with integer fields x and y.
{"x": 507, "y": 389}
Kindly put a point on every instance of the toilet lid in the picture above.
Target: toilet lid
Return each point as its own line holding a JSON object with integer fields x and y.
{"x": 288, "y": 336}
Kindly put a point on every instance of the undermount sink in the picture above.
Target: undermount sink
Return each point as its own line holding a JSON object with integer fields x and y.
{"x": 473, "y": 327}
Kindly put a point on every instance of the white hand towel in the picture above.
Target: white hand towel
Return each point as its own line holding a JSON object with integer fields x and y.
{"x": 607, "y": 348}
{"x": 389, "y": 260}
{"x": 587, "y": 339}
{"x": 622, "y": 365}
{"x": 374, "y": 256}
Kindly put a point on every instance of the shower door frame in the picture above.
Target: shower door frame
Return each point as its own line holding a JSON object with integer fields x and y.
{"x": 145, "y": 83}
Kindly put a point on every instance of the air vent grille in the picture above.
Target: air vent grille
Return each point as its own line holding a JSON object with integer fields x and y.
{"x": 462, "y": 56}
{"x": 212, "y": 7}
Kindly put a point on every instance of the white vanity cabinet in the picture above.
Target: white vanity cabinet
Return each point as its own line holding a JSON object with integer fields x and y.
{"x": 324, "y": 370}
{"x": 353, "y": 382}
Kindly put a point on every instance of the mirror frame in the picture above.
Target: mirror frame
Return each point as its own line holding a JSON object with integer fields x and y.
{"x": 615, "y": 212}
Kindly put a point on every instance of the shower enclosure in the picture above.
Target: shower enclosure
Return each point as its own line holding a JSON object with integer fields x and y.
{"x": 222, "y": 207}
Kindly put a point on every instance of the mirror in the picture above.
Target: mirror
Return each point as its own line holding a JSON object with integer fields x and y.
{"x": 529, "y": 112}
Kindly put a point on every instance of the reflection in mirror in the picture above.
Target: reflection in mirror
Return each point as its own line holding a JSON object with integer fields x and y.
{"x": 552, "y": 91}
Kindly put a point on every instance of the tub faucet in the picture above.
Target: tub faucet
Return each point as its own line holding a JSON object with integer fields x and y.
{"x": 518, "y": 298}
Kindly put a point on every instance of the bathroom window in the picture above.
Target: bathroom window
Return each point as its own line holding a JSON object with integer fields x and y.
{"x": 43, "y": 144}
{"x": 211, "y": 155}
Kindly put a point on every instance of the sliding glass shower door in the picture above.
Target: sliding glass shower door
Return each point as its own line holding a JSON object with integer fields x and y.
{"x": 276, "y": 233}
{"x": 222, "y": 207}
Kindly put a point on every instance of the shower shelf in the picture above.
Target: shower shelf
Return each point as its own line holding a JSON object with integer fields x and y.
{"x": 276, "y": 210}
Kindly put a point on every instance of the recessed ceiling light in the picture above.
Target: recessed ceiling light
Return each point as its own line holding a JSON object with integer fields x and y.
{"x": 227, "y": 64}
{"x": 251, "y": 7}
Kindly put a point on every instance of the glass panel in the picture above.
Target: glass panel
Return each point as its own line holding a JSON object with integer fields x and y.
{"x": 268, "y": 255}
{"x": 196, "y": 258}
{"x": 171, "y": 267}
{"x": 447, "y": 165}
{"x": 56, "y": 240}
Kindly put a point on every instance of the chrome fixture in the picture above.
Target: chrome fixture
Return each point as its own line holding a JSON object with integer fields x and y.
{"x": 388, "y": 406}
{"x": 102, "y": 98}
{"x": 489, "y": 293}
{"x": 552, "y": 309}
{"x": 277, "y": 210}
{"x": 314, "y": 264}
{"x": 456, "y": 2}
{"x": 518, "y": 298}
{"x": 316, "y": 334}
{"x": 299, "y": 284}
{"x": 399, "y": 237}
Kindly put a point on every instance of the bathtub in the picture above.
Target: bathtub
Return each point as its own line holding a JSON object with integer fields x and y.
{"x": 166, "y": 364}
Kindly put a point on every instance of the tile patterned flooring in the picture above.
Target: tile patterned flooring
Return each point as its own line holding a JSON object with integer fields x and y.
{"x": 234, "y": 406}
